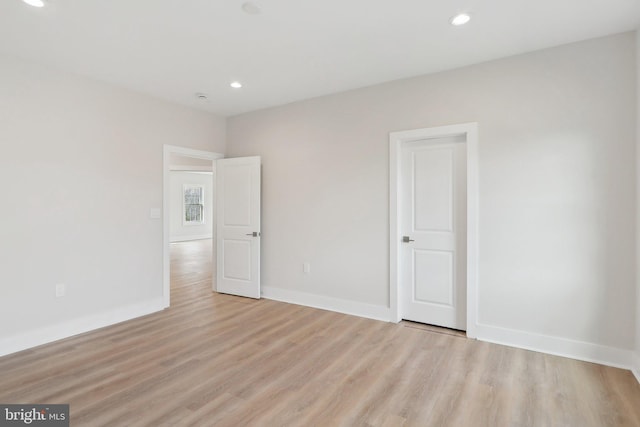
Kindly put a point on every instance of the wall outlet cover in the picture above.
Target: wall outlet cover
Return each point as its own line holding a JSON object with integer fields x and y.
{"x": 60, "y": 290}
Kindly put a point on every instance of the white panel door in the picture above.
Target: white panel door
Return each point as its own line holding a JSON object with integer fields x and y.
{"x": 238, "y": 226}
{"x": 433, "y": 225}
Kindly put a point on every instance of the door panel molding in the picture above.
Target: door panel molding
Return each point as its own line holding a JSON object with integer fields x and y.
{"x": 469, "y": 131}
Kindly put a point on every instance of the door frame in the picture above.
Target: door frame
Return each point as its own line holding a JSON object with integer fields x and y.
{"x": 396, "y": 141}
{"x": 167, "y": 151}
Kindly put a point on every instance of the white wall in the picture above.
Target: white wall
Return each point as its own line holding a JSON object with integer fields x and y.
{"x": 557, "y": 191}
{"x": 637, "y": 355}
{"x": 178, "y": 230}
{"x": 80, "y": 168}
{"x": 177, "y": 162}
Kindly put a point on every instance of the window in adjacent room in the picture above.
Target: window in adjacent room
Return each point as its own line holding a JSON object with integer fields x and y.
{"x": 193, "y": 204}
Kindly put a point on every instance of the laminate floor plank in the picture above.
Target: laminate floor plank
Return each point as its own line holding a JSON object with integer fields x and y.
{"x": 219, "y": 360}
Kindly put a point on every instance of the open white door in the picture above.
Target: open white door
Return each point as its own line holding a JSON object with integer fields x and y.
{"x": 238, "y": 226}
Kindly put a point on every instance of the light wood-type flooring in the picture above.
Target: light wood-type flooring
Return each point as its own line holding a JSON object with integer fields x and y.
{"x": 219, "y": 360}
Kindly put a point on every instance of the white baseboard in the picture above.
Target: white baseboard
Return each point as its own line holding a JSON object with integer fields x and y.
{"x": 186, "y": 238}
{"x": 588, "y": 352}
{"x": 73, "y": 327}
{"x": 636, "y": 365}
{"x": 376, "y": 312}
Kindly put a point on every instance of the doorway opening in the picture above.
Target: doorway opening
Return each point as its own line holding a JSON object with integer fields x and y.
{"x": 192, "y": 273}
{"x": 412, "y": 150}
{"x": 188, "y": 218}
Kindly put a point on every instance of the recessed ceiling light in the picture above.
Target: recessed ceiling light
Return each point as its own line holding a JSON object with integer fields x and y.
{"x": 236, "y": 85}
{"x": 251, "y": 8}
{"x": 34, "y": 3}
{"x": 460, "y": 19}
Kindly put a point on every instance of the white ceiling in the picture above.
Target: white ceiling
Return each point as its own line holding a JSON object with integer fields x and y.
{"x": 294, "y": 49}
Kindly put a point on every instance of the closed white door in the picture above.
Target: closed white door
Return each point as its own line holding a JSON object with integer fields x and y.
{"x": 433, "y": 225}
{"x": 238, "y": 226}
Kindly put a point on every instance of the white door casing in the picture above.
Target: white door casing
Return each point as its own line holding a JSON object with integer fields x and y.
{"x": 238, "y": 226}
{"x": 433, "y": 225}
{"x": 396, "y": 141}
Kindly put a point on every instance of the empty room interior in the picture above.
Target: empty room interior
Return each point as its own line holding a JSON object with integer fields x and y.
{"x": 321, "y": 213}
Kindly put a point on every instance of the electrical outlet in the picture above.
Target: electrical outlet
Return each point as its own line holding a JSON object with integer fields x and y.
{"x": 306, "y": 267}
{"x": 60, "y": 290}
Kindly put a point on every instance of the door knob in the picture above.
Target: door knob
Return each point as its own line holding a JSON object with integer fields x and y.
{"x": 406, "y": 239}
{"x": 254, "y": 234}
